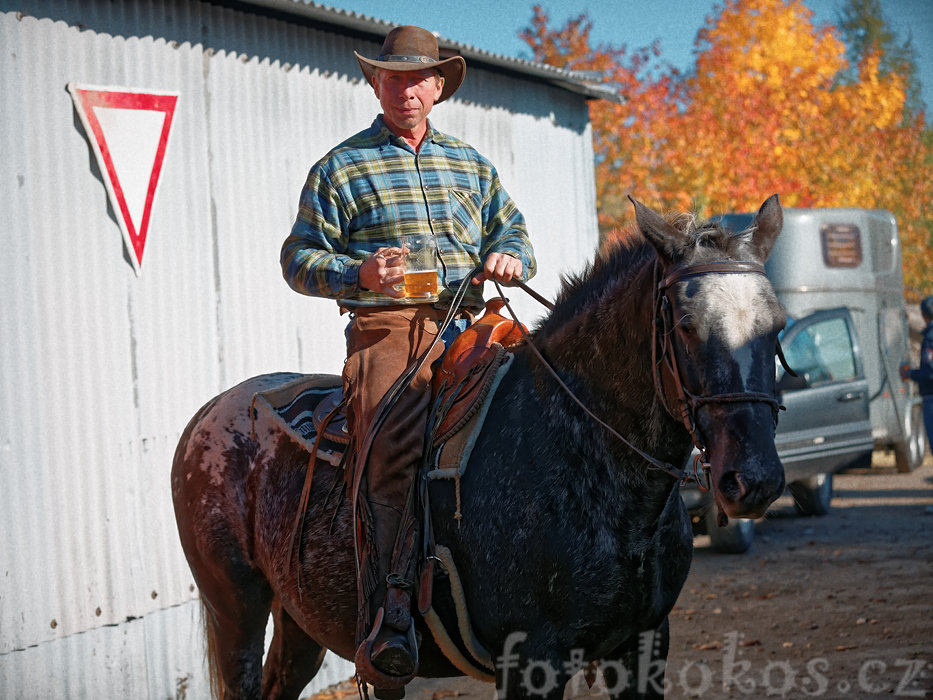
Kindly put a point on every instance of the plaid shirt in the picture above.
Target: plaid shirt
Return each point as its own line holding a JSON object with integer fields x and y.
{"x": 373, "y": 189}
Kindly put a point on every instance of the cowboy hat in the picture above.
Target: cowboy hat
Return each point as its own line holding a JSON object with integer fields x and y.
{"x": 413, "y": 48}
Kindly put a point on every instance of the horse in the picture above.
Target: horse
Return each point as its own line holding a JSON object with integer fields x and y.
{"x": 574, "y": 542}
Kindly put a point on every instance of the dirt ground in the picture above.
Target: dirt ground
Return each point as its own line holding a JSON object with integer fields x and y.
{"x": 839, "y": 606}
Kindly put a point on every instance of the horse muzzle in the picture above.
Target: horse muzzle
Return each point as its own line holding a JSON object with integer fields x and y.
{"x": 742, "y": 497}
{"x": 746, "y": 475}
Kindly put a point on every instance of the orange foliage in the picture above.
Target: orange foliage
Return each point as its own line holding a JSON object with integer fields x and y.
{"x": 625, "y": 133}
{"x": 763, "y": 112}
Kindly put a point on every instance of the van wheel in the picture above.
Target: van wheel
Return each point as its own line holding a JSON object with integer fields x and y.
{"x": 813, "y": 494}
{"x": 908, "y": 454}
{"x": 735, "y": 538}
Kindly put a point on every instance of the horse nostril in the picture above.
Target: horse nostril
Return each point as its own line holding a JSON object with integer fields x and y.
{"x": 731, "y": 486}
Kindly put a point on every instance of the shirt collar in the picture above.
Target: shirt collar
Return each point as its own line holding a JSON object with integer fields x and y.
{"x": 384, "y": 135}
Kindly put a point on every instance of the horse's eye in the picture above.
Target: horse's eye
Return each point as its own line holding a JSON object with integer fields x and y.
{"x": 685, "y": 325}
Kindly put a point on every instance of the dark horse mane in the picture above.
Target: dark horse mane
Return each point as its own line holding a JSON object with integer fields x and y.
{"x": 611, "y": 299}
{"x": 611, "y": 277}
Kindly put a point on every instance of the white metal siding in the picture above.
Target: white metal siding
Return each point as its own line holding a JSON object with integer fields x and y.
{"x": 101, "y": 369}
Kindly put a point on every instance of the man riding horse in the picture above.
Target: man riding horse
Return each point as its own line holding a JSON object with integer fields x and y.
{"x": 396, "y": 178}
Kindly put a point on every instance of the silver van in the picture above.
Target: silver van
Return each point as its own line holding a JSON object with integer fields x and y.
{"x": 826, "y": 258}
{"x": 838, "y": 274}
{"x": 826, "y": 426}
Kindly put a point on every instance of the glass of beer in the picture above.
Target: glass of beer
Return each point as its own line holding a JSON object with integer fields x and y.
{"x": 420, "y": 267}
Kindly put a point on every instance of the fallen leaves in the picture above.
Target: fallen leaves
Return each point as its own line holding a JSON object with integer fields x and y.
{"x": 708, "y": 646}
{"x": 337, "y": 692}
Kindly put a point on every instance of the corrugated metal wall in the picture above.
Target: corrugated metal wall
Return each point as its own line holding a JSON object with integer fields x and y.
{"x": 101, "y": 369}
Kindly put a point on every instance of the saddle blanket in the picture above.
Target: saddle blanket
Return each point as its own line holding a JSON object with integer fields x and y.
{"x": 290, "y": 407}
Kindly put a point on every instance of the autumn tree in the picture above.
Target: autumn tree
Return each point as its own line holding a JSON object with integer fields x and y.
{"x": 789, "y": 125}
{"x": 773, "y": 105}
{"x": 627, "y": 130}
{"x": 764, "y": 114}
{"x": 866, "y": 34}
{"x": 865, "y": 31}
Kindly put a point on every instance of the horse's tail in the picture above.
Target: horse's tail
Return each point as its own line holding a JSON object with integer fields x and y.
{"x": 210, "y": 644}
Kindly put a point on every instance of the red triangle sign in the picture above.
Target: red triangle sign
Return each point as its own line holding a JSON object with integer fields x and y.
{"x": 128, "y": 131}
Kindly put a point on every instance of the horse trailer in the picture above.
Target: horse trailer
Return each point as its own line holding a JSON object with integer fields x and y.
{"x": 826, "y": 258}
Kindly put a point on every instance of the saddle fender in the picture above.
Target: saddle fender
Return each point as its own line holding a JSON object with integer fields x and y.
{"x": 470, "y": 346}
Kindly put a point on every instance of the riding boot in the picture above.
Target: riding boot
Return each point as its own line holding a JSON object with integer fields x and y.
{"x": 388, "y": 657}
{"x": 391, "y": 650}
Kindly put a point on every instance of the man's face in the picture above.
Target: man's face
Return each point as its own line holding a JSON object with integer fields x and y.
{"x": 407, "y": 96}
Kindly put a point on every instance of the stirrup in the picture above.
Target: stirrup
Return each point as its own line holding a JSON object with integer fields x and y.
{"x": 364, "y": 659}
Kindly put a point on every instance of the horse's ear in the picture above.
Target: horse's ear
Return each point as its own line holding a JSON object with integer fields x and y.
{"x": 661, "y": 234}
{"x": 766, "y": 226}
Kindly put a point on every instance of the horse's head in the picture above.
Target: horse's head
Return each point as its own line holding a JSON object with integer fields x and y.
{"x": 717, "y": 321}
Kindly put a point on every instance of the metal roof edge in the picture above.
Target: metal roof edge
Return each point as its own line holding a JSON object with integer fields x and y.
{"x": 572, "y": 81}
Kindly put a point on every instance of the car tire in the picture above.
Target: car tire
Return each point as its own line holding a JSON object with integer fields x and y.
{"x": 735, "y": 538}
{"x": 908, "y": 454}
{"x": 813, "y": 494}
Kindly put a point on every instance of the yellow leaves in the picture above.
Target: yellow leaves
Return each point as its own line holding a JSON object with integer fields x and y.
{"x": 881, "y": 99}
{"x": 766, "y": 110}
{"x": 763, "y": 43}
{"x": 791, "y": 134}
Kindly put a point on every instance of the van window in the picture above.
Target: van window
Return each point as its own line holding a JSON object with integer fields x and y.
{"x": 883, "y": 241}
{"x": 842, "y": 245}
{"x": 823, "y": 352}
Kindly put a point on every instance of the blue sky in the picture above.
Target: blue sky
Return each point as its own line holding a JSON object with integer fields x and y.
{"x": 494, "y": 24}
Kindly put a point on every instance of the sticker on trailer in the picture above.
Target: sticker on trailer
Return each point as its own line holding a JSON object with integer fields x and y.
{"x": 128, "y": 131}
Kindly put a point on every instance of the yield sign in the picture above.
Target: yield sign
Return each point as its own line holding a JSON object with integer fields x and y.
{"x": 128, "y": 131}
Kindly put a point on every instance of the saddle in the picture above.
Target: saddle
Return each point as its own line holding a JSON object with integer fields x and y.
{"x": 460, "y": 383}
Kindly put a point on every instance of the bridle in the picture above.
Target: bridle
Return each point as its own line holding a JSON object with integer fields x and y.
{"x": 681, "y": 403}
{"x": 667, "y": 370}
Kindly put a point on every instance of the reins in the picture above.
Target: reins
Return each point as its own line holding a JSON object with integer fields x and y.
{"x": 390, "y": 399}
{"x": 664, "y": 360}
{"x": 670, "y": 469}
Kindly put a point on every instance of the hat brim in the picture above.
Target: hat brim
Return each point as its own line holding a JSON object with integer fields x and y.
{"x": 452, "y": 69}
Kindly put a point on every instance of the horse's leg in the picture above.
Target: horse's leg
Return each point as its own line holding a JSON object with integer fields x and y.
{"x": 635, "y": 671}
{"x": 293, "y": 659}
{"x": 236, "y": 612}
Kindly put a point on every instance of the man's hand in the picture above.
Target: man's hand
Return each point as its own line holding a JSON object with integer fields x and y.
{"x": 500, "y": 267}
{"x": 382, "y": 270}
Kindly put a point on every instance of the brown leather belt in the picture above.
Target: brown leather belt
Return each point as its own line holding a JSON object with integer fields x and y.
{"x": 437, "y": 310}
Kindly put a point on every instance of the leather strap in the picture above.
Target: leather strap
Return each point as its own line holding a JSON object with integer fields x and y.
{"x": 668, "y": 377}
{"x": 719, "y": 267}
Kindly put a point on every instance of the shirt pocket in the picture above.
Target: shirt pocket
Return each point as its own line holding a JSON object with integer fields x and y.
{"x": 466, "y": 216}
